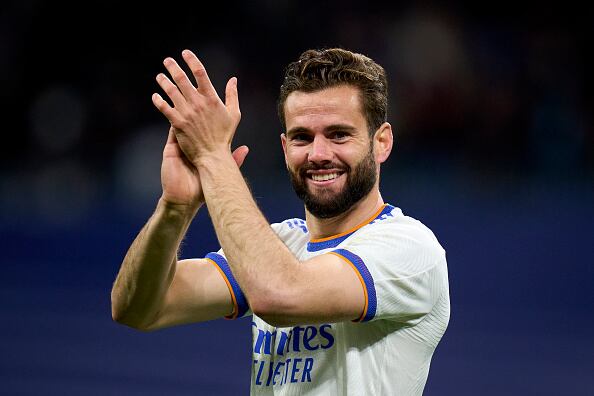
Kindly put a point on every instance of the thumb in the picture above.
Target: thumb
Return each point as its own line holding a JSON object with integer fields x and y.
{"x": 239, "y": 154}
{"x": 232, "y": 97}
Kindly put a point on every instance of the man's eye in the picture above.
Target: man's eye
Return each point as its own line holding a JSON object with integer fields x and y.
{"x": 301, "y": 137}
{"x": 339, "y": 135}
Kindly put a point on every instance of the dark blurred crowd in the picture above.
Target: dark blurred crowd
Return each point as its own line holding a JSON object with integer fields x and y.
{"x": 488, "y": 89}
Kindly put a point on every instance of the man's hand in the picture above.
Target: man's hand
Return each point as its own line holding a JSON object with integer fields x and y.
{"x": 201, "y": 122}
{"x": 180, "y": 179}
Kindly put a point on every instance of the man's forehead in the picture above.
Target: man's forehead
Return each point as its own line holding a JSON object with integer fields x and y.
{"x": 343, "y": 100}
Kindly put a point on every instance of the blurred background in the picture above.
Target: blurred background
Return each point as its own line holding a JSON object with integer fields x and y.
{"x": 492, "y": 108}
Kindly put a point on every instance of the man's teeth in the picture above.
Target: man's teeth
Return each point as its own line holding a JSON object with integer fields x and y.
{"x": 325, "y": 177}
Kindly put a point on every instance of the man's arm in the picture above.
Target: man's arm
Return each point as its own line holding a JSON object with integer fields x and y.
{"x": 280, "y": 289}
{"x": 154, "y": 290}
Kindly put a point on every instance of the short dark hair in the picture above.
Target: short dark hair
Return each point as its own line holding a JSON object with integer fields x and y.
{"x": 319, "y": 69}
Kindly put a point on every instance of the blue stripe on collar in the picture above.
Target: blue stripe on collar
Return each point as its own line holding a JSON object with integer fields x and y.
{"x": 334, "y": 242}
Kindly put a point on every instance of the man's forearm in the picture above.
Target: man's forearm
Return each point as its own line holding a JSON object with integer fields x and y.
{"x": 260, "y": 261}
{"x": 149, "y": 265}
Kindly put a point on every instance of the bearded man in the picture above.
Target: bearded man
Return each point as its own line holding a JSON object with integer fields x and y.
{"x": 352, "y": 300}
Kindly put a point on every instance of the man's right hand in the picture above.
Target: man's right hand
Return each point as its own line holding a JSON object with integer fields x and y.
{"x": 180, "y": 179}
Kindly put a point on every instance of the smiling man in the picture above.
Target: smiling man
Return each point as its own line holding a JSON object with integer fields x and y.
{"x": 326, "y": 134}
{"x": 352, "y": 300}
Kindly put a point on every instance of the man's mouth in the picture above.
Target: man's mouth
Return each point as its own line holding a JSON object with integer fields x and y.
{"x": 325, "y": 177}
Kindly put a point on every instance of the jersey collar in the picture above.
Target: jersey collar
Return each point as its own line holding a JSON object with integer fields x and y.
{"x": 315, "y": 245}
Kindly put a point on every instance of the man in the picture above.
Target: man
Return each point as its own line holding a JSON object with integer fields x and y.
{"x": 308, "y": 284}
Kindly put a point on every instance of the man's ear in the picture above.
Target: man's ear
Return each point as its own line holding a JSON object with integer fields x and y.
{"x": 284, "y": 144}
{"x": 383, "y": 142}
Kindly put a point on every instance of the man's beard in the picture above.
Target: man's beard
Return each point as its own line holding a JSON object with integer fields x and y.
{"x": 326, "y": 204}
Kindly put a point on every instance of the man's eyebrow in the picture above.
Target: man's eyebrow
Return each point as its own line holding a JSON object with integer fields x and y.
{"x": 341, "y": 127}
{"x": 296, "y": 130}
{"x": 329, "y": 128}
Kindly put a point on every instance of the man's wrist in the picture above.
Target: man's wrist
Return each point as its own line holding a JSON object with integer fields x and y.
{"x": 176, "y": 210}
{"x": 213, "y": 158}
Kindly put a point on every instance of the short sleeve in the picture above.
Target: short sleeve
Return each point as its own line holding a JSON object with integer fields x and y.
{"x": 402, "y": 269}
{"x": 240, "y": 304}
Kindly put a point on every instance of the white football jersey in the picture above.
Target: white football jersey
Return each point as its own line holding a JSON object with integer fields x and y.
{"x": 387, "y": 351}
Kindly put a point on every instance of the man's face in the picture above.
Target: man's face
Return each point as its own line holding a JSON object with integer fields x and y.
{"x": 328, "y": 151}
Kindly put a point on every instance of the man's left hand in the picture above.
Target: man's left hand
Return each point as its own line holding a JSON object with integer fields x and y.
{"x": 203, "y": 123}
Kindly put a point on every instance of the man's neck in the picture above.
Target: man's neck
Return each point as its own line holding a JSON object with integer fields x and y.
{"x": 357, "y": 214}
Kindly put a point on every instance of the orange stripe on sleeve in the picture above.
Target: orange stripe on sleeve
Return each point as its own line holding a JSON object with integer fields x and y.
{"x": 233, "y": 314}
{"x": 365, "y": 292}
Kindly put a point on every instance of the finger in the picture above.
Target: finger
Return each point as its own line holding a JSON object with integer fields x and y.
{"x": 231, "y": 96}
{"x": 205, "y": 87}
{"x": 239, "y": 154}
{"x": 171, "y": 137}
{"x": 171, "y": 90}
{"x": 180, "y": 77}
{"x": 172, "y": 148}
{"x": 165, "y": 109}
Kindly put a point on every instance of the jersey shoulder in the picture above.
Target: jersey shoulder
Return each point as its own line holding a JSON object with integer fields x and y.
{"x": 402, "y": 240}
{"x": 291, "y": 230}
{"x": 397, "y": 226}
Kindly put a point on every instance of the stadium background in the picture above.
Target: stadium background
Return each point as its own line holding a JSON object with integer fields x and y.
{"x": 492, "y": 108}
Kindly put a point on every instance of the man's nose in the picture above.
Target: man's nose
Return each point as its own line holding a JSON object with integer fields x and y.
{"x": 320, "y": 150}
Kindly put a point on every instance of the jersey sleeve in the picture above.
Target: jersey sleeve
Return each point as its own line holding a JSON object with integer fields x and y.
{"x": 240, "y": 304}
{"x": 402, "y": 270}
